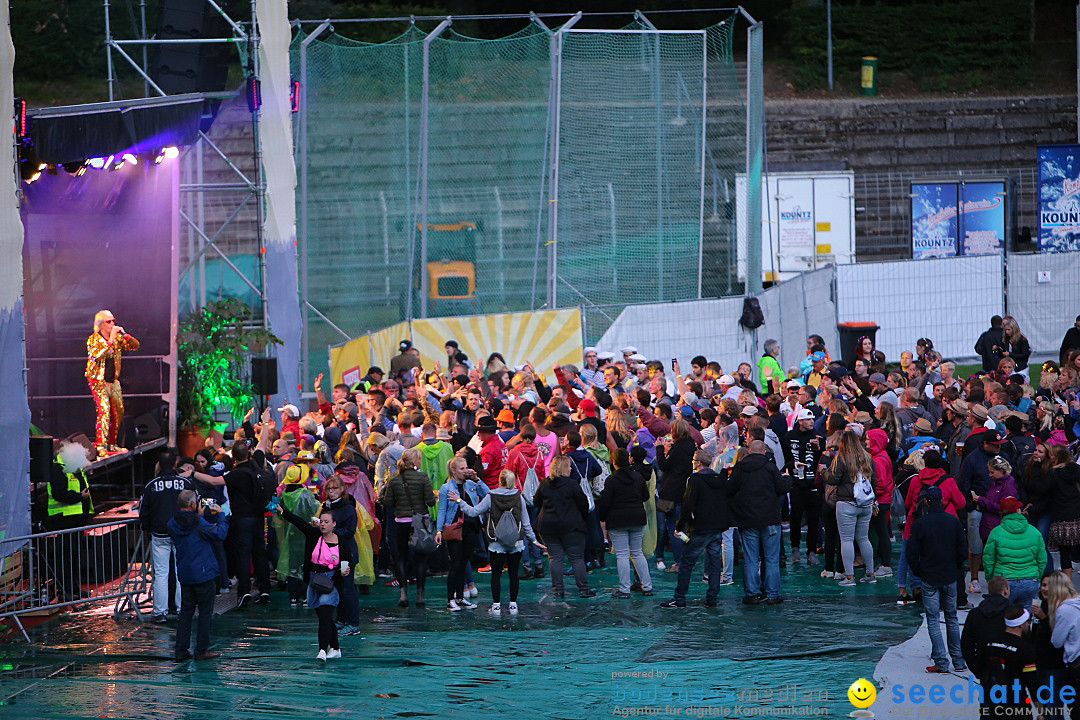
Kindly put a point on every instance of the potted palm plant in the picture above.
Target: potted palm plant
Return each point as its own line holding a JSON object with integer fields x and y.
{"x": 214, "y": 345}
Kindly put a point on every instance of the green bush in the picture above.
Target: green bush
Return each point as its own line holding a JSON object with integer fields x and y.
{"x": 952, "y": 38}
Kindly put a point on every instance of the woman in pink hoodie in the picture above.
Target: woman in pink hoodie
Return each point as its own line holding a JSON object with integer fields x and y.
{"x": 876, "y": 442}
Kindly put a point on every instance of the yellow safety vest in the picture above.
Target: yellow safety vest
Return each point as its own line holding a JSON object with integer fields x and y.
{"x": 58, "y": 508}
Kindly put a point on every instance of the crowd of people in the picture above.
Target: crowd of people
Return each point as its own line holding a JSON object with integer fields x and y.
{"x": 482, "y": 468}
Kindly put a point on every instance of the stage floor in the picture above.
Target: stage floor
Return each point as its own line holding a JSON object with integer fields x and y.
{"x": 558, "y": 659}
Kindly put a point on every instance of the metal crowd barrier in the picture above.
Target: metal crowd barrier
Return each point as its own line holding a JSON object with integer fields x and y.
{"x": 43, "y": 573}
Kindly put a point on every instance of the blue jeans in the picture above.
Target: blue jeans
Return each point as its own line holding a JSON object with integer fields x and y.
{"x": 665, "y": 527}
{"x": 935, "y": 600}
{"x": 1022, "y": 592}
{"x": 1042, "y": 524}
{"x": 533, "y": 555}
{"x": 711, "y": 542}
{"x": 195, "y": 596}
{"x": 164, "y": 556}
{"x": 904, "y": 575}
{"x": 761, "y": 544}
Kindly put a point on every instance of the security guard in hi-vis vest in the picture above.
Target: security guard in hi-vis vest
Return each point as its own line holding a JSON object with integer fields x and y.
{"x": 69, "y": 506}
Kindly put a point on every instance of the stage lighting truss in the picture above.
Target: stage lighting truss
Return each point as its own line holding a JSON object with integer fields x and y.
{"x": 32, "y": 170}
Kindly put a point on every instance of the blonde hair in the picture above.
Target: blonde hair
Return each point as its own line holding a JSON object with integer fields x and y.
{"x": 1000, "y": 464}
{"x": 588, "y": 435}
{"x": 100, "y": 317}
{"x": 1059, "y": 588}
{"x": 616, "y": 422}
{"x": 679, "y": 429}
{"x": 409, "y": 459}
{"x": 508, "y": 480}
{"x": 560, "y": 466}
{"x": 1011, "y": 328}
{"x": 450, "y": 465}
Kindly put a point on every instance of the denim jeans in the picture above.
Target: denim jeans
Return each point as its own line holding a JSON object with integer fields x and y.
{"x": 1022, "y": 592}
{"x": 202, "y": 597}
{"x": 627, "y": 544}
{"x": 761, "y": 544}
{"x": 711, "y": 542}
{"x": 853, "y": 524}
{"x": 533, "y": 555}
{"x": 665, "y": 527}
{"x": 1042, "y": 524}
{"x": 164, "y": 555}
{"x": 728, "y": 568}
{"x": 935, "y": 600}
{"x": 904, "y": 575}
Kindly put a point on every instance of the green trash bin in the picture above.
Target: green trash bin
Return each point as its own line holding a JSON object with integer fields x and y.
{"x": 869, "y": 76}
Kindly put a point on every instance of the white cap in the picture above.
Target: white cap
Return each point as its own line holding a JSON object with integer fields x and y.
{"x": 628, "y": 350}
{"x": 750, "y": 410}
{"x": 605, "y": 355}
{"x": 638, "y": 357}
{"x": 588, "y": 350}
{"x": 289, "y": 410}
{"x": 726, "y": 380}
{"x": 805, "y": 414}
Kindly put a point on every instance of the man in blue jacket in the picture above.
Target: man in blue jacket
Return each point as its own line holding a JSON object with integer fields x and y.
{"x": 197, "y": 570}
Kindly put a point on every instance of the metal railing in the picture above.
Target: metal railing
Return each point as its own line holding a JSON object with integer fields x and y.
{"x": 47, "y": 572}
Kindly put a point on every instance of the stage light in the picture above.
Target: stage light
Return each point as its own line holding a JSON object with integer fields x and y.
{"x": 98, "y": 163}
{"x": 128, "y": 157}
{"x": 172, "y": 152}
{"x": 33, "y": 177}
{"x": 76, "y": 168}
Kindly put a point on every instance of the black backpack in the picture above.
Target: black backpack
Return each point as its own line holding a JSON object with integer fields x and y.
{"x": 921, "y": 502}
{"x": 752, "y": 317}
{"x": 504, "y": 519}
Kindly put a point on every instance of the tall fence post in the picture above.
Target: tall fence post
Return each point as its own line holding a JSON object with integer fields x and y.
{"x": 755, "y": 117}
{"x": 424, "y": 109}
{"x": 553, "y": 184}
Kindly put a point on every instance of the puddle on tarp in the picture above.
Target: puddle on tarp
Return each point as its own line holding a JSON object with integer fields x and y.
{"x": 566, "y": 659}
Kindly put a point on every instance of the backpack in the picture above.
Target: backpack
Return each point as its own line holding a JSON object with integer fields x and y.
{"x": 864, "y": 491}
{"x": 532, "y": 482}
{"x": 920, "y": 503}
{"x": 1022, "y": 447}
{"x": 266, "y": 483}
{"x": 752, "y": 317}
{"x": 600, "y": 480}
{"x": 504, "y": 520}
{"x": 583, "y": 479}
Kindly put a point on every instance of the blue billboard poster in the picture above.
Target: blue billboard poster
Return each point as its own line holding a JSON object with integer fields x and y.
{"x": 983, "y": 220}
{"x": 933, "y": 220}
{"x": 1059, "y": 198}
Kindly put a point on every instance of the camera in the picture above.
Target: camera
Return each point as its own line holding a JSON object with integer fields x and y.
{"x": 206, "y": 502}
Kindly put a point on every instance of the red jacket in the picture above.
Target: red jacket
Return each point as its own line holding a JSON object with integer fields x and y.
{"x": 524, "y": 456}
{"x": 951, "y": 498}
{"x": 493, "y": 457}
{"x": 876, "y": 442}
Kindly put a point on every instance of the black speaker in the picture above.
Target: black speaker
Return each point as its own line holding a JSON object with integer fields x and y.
{"x": 264, "y": 376}
{"x": 194, "y": 67}
{"x": 41, "y": 455}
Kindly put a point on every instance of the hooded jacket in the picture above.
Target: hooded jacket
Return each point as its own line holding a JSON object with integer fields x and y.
{"x": 876, "y": 442}
{"x": 522, "y": 457}
{"x": 1015, "y": 550}
{"x": 951, "y": 498}
{"x": 622, "y": 503}
{"x": 561, "y": 505}
{"x": 675, "y": 465}
{"x": 936, "y": 549}
{"x": 357, "y": 484}
{"x": 706, "y": 504}
{"x": 990, "y": 505}
{"x": 158, "y": 504}
{"x": 754, "y": 488}
{"x": 983, "y": 623}
{"x": 801, "y": 447}
{"x": 1061, "y": 488}
{"x": 192, "y": 534}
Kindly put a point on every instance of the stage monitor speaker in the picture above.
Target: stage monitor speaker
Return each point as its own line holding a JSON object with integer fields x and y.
{"x": 191, "y": 67}
{"x": 264, "y": 376}
{"x": 41, "y": 455}
{"x": 144, "y": 428}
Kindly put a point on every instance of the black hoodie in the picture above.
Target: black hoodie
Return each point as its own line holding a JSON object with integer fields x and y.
{"x": 622, "y": 503}
{"x": 983, "y": 623}
{"x": 755, "y": 487}
{"x": 705, "y": 506}
{"x": 562, "y": 506}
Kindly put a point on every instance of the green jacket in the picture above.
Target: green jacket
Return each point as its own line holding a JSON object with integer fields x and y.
{"x": 435, "y": 459}
{"x": 1015, "y": 550}
{"x": 409, "y": 493}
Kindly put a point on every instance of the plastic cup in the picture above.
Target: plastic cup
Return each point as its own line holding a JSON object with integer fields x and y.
{"x": 344, "y": 566}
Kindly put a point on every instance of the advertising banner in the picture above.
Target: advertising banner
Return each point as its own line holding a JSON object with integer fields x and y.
{"x": 983, "y": 218}
{"x": 933, "y": 220}
{"x": 1059, "y": 198}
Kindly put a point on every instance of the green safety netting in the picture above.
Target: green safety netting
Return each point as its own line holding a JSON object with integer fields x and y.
{"x": 569, "y": 659}
{"x": 576, "y": 168}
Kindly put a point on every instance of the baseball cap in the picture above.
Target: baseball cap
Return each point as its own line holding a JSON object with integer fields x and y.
{"x": 686, "y": 411}
{"x": 878, "y": 378}
{"x": 404, "y": 345}
{"x": 795, "y": 382}
{"x": 726, "y": 380}
{"x": 750, "y": 410}
{"x": 991, "y": 437}
{"x": 805, "y": 414}
{"x": 587, "y": 407}
{"x": 817, "y": 356}
{"x": 289, "y": 409}
{"x": 931, "y": 493}
{"x": 350, "y": 407}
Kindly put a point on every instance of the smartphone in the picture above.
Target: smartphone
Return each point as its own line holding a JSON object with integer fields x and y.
{"x": 673, "y": 361}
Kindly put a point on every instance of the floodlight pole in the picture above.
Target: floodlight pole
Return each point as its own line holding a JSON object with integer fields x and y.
{"x": 424, "y": 164}
{"x": 553, "y": 184}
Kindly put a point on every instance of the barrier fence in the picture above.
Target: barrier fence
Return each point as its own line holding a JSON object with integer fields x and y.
{"x": 47, "y": 572}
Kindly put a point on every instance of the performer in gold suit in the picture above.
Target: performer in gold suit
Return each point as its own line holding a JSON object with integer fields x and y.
{"x": 103, "y": 350}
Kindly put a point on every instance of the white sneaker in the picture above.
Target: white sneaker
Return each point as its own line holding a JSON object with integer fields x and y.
{"x": 472, "y": 591}
{"x": 513, "y": 608}
{"x": 974, "y": 588}
{"x": 452, "y": 606}
{"x": 883, "y": 572}
{"x": 334, "y": 654}
{"x": 828, "y": 574}
{"x": 466, "y": 605}
{"x": 660, "y": 565}
{"x": 496, "y": 608}
{"x": 321, "y": 655}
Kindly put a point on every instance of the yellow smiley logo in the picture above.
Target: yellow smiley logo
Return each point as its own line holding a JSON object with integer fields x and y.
{"x": 862, "y": 693}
